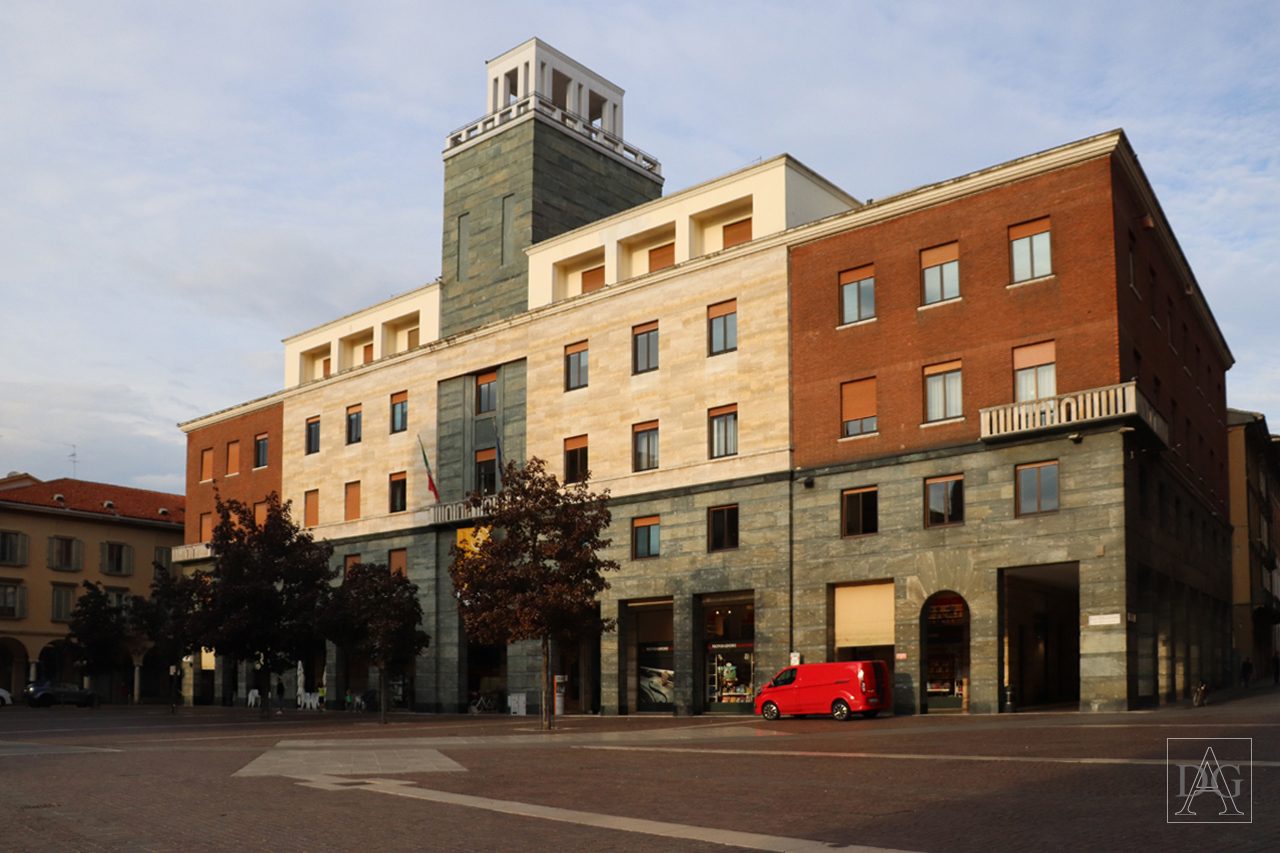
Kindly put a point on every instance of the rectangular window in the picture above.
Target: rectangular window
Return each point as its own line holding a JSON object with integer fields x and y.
{"x": 233, "y": 458}
{"x": 576, "y": 358}
{"x": 368, "y": 354}
{"x": 260, "y": 447}
{"x": 13, "y": 601}
{"x": 398, "y": 492}
{"x": 592, "y": 279}
{"x": 723, "y": 433}
{"x": 13, "y": 548}
{"x": 486, "y": 471}
{"x": 352, "y": 501}
{"x": 644, "y": 348}
{"x": 413, "y": 338}
{"x": 400, "y": 411}
{"x": 860, "y": 512}
{"x": 722, "y": 327}
{"x": 206, "y": 465}
{"x": 1029, "y": 250}
{"x": 508, "y": 229}
{"x": 662, "y": 257}
{"x": 1037, "y": 488}
{"x": 644, "y": 445}
{"x": 737, "y": 233}
{"x": 645, "y": 537}
{"x": 940, "y": 270}
{"x": 722, "y": 528}
{"x": 944, "y": 501}
{"x": 328, "y": 367}
{"x": 260, "y": 513}
{"x": 311, "y": 508}
{"x": 398, "y": 562}
{"x": 313, "y": 434}
{"x": 858, "y": 294}
{"x": 349, "y": 561}
{"x": 858, "y": 407}
{"x": 354, "y": 416}
{"x": 1034, "y": 372}
{"x": 116, "y": 558}
{"x": 486, "y": 392}
{"x": 206, "y": 526}
{"x": 575, "y": 459}
{"x": 63, "y": 603}
{"x": 942, "y": 391}
{"x": 464, "y": 247}
{"x": 66, "y": 553}
{"x": 162, "y": 563}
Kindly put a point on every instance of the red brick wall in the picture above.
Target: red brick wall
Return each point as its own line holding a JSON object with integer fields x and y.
{"x": 1076, "y": 308}
{"x": 249, "y": 486}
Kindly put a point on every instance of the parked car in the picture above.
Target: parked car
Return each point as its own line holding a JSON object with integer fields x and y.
{"x": 42, "y": 694}
{"x": 6, "y": 698}
{"x": 838, "y": 689}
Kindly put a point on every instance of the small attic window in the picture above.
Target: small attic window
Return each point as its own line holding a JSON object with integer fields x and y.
{"x": 108, "y": 504}
{"x": 164, "y": 511}
{"x": 59, "y": 498}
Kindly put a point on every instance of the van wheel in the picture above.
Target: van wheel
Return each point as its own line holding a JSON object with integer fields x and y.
{"x": 871, "y": 715}
{"x": 840, "y": 710}
{"x": 770, "y": 711}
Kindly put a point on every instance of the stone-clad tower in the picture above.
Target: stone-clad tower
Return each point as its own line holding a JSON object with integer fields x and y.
{"x": 548, "y": 157}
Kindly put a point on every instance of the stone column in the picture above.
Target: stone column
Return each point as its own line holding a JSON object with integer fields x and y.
{"x": 682, "y": 641}
{"x": 613, "y": 660}
{"x": 1165, "y": 629}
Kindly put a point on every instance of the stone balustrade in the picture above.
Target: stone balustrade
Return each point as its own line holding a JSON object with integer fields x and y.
{"x": 1080, "y": 407}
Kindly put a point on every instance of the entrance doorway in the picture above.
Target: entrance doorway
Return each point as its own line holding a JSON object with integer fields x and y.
{"x": 1041, "y": 635}
{"x": 945, "y": 630}
{"x": 652, "y": 655}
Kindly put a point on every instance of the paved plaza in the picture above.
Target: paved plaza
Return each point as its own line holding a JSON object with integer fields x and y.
{"x": 207, "y": 779}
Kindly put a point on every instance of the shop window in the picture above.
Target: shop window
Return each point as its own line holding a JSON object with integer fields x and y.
{"x": 1029, "y": 250}
{"x": 1035, "y": 372}
{"x": 486, "y": 392}
{"x": 860, "y": 512}
{"x": 940, "y": 273}
{"x": 942, "y": 392}
{"x": 858, "y": 407}
{"x": 354, "y": 423}
{"x": 722, "y": 528}
{"x": 644, "y": 455}
{"x": 858, "y": 294}
{"x": 313, "y": 435}
{"x": 645, "y": 537}
{"x": 398, "y": 492}
{"x": 1037, "y": 488}
{"x": 944, "y": 501}
{"x": 575, "y": 459}
{"x": 644, "y": 348}
{"x": 576, "y": 362}
{"x": 722, "y": 327}
{"x": 729, "y": 628}
{"x": 723, "y": 431}
{"x": 400, "y": 411}
{"x": 260, "y": 447}
{"x": 487, "y": 471}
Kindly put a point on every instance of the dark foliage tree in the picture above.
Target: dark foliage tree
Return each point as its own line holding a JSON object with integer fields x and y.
{"x": 539, "y": 573}
{"x": 376, "y": 615}
{"x": 267, "y": 591}
{"x": 168, "y": 619}
{"x": 97, "y": 631}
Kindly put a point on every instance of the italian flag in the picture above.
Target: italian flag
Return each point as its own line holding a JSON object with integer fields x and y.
{"x": 431, "y": 484}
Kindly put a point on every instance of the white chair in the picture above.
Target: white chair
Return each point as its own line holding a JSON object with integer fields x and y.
{"x": 255, "y": 699}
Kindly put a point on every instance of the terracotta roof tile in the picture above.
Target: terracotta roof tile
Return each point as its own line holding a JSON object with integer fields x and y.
{"x": 84, "y": 496}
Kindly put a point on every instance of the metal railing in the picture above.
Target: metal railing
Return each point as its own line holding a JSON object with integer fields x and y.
{"x": 459, "y": 511}
{"x": 1096, "y": 404}
{"x": 191, "y": 553}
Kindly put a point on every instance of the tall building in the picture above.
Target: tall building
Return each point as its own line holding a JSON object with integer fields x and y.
{"x": 974, "y": 429}
{"x": 1255, "y": 491}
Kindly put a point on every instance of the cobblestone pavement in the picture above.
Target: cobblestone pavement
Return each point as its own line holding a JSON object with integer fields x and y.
{"x": 139, "y": 779}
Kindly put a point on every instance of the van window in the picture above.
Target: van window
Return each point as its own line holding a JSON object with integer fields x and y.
{"x": 785, "y": 677}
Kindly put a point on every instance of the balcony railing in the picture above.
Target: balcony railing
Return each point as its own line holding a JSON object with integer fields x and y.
{"x": 574, "y": 122}
{"x": 459, "y": 511}
{"x": 1082, "y": 407}
{"x": 191, "y": 553}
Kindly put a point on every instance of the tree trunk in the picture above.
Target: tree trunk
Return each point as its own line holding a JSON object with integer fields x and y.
{"x": 548, "y": 710}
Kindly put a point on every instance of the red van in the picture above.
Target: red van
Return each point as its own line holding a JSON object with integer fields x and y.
{"x": 838, "y": 689}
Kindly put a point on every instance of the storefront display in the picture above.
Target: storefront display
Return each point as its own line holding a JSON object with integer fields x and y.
{"x": 729, "y": 624}
{"x": 655, "y": 677}
{"x": 946, "y": 660}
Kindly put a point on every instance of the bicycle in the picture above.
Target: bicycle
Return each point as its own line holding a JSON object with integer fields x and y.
{"x": 482, "y": 704}
{"x": 1200, "y": 697}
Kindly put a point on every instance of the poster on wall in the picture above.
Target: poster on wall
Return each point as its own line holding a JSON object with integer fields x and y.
{"x": 655, "y": 677}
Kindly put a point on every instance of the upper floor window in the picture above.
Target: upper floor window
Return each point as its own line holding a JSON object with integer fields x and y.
{"x": 206, "y": 465}
{"x": 645, "y": 537}
{"x": 1029, "y": 250}
{"x": 723, "y": 431}
{"x": 313, "y": 435}
{"x": 398, "y": 562}
{"x": 260, "y": 446}
{"x": 858, "y": 294}
{"x": 66, "y": 553}
{"x": 858, "y": 407}
{"x": 486, "y": 392}
{"x": 398, "y": 492}
{"x": 260, "y": 513}
{"x": 592, "y": 279}
{"x": 233, "y": 458}
{"x": 354, "y": 416}
{"x": 722, "y": 528}
{"x": 662, "y": 257}
{"x": 859, "y": 512}
{"x": 13, "y": 548}
{"x": 722, "y": 327}
{"x": 400, "y": 411}
{"x": 1034, "y": 372}
{"x": 206, "y": 527}
{"x": 575, "y": 459}
{"x": 644, "y": 454}
{"x": 311, "y": 508}
{"x": 737, "y": 233}
{"x": 940, "y": 272}
{"x": 63, "y": 602}
{"x": 944, "y": 501}
{"x": 942, "y": 391}
{"x": 13, "y": 601}
{"x": 352, "y": 501}
{"x": 576, "y": 361}
{"x": 644, "y": 348}
{"x": 116, "y": 558}
{"x": 1037, "y": 488}
{"x": 486, "y": 471}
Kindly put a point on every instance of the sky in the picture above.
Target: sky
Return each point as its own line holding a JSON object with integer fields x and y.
{"x": 184, "y": 185}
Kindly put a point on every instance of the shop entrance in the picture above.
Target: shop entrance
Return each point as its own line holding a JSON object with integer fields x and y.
{"x": 863, "y": 623}
{"x": 1041, "y": 635}
{"x": 729, "y": 628}
{"x": 653, "y": 653}
{"x": 945, "y": 632}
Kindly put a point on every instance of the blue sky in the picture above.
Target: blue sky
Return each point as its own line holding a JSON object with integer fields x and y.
{"x": 184, "y": 185}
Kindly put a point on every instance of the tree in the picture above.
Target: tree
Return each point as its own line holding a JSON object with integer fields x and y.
{"x": 97, "y": 632}
{"x": 376, "y": 615}
{"x": 264, "y": 598}
{"x": 168, "y": 619}
{"x": 537, "y": 577}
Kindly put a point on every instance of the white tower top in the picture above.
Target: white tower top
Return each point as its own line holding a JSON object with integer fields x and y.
{"x": 537, "y": 68}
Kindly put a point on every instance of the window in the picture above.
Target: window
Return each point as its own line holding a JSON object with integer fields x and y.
{"x": 942, "y": 391}
{"x": 486, "y": 471}
{"x": 328, "y": 367}
{"x": 400, "y": 411}
{"x": 65, "y": 553}
{"x": 13, "y": 548}
{"x": 644, "y": 348}
{"x": 313, "y": 434}
{"x": 1037, "y": 488}
{"x": 723, "y": 434}
{"x": 311, "y": 508}
{"x": 206, "y": 526}
{"x": 398, "y": 562}
{"x": 737, "y": 233}
{"x": 662, "y": 257}
{"x": 486, "y": 392}
{"x": 206, "y": 465}
{"x": 1034, "y": 372}
{"x": 940, "y": 269}
{"x": 349, "y": 561}
{"x": 260, "y": 447}
{"x": 368, "y": 354}
{"x": 354, "y": 415}
{"x": 116, "y": 558}
{"x": 398, "y": 492}
{"x": 117, "y": 598}
{"x": 352, "y": 501}
{"x": 944, "y": 501}
{"x": 575, "y": 459}
{"x": 576, "y": 358}
{"x": 858, "y": 294}
{"x": 592, "y": 279}
{"x": 722, "y": 327}
{"x": 63, "y": 603}
{"x": 1029, "y": 250}
{"x": 162, "y": 562}
{"x": 464, "y": 247}
{"x": 645, "y": 537}
{"x": 233, "y": 458}
{"x": 860, "y": 512}
{"x": 508, "y": 229}
{"x": 858, "y": 407}
{"x": 722, "y": 528}
{"x": 13, "y": 601}
{"x": 644, "y": 445}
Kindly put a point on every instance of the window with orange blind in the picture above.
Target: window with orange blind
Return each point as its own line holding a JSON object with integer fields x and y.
{"x": 737, "y": 233}
{"x": 944, "y": 501}
{"x": 644, "y": 437}
{"x": 368, "y": 353}
{"x": 260, "y": 445}
{"x": 1035, "y": 371}
{"x": 858, "y": 407}
{"x": 858, "y": 294}
{"x": 575, "y": 459}
{"x": 312, "y": 436}
{"x": 355, "y": 423}
{"x": 576, "y": 362}
{"x": 311, "y": 508}
{"x": 352, "y": 501}
{"x": 942, "y": 391}
{"x": 206, "y": 526}
{"x": 486, "y": 471}
{"x": 662, "y": 257}
{"x": 723, "y": 431}
{"x": 940, "y": 272}
{"x": 400, "y": 411}
{"x": 1029, "y": 251}
{"x": 644, "y": 347}
{"x": 349, "y": 561}
{"x": 328, "y": 367}
{"x": 398, "y": 492}
{"x": 260, "y": 513}
{"x": 592, "y": 279}
{"x": 398, "y": 562}
{"x": 722, "y": 327}
{"x": 486, "y": 392}
{"x": 233, "y": 458}
{"x": 206, "y": 465}
{"x": 645, "y": 537}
